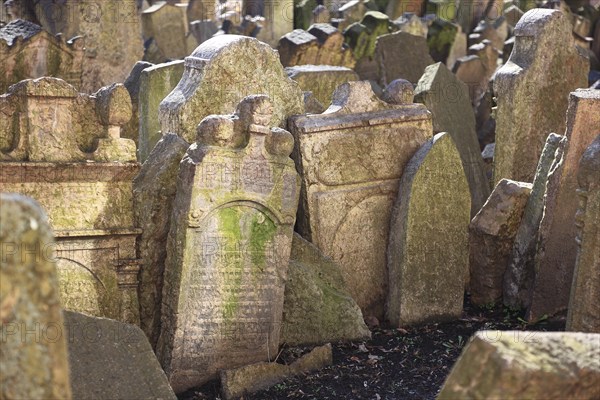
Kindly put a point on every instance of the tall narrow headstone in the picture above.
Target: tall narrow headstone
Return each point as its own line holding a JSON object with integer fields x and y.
{"x": 584, "y": 308}
{"x": 351, "y": 159}
{"x": 518, "y": 278}
{"x": 33, "y": 351}
{"x": 228, "y": 247}
{"x": 235, "y": 60}
{"x": 556, "y": 248}
{"x": 428, "y": 248}
{"x": 532, "y": 91}
{"x": 448, "y": 100}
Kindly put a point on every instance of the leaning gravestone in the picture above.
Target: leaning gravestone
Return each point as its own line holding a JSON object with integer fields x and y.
{"x": 518, "y": 278}
{"x": 153, "y": 195}
{"x": 112, "y": 360}
{"x": 351, "y": 158}
{"x": 228, "y": 247}
{"x": 235, "y": 60}
{"x": 491, "y": 236}
{"x": 584, "y": 308}
{"x": 33, "y": 351}
{"x": 556, "y": 249}
{"x": 448, "y": 100}
{"x": 526, "y": 365}
{"x": 532, "y": 91}
{"x": 428, "y": 249}
{"x": 156, "y": 82}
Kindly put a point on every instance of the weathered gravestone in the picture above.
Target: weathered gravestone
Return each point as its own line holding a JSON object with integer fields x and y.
{"x": 526, "y": 365}
{"x": 401, "y": 55}
{"x": 156, "y": 83}
{"x": 166, "y": 24}
{"x": 351, "y": 158}
{"x": 399, "y": 91}
{"x": 298, "y": 47}
{"x": 556, "y": 249}
{"x": 64, "y": 150}
{"x": 518, "y": 278}
{"x": 584, "y": 308}
{"x": 411, "y": 23}
{"x": 532, "y": 91}
{"x": 235, "y": 60}
{"x": 228, "y": 247}
{"x": 318, "y": 308}
{"x": 428, "y": 249}
{"x": 448, "y": 100}
{"x": 491, "y": 236}
{"x": 112, "y": 360}
{"x": 33, "y": 351}
{"x": 153, "y": 195}
{"x": 132, "y": 84}
{"x": 321, "y": 80}
{"x": 446, "y": 42}
{"x": 28, "y": 51}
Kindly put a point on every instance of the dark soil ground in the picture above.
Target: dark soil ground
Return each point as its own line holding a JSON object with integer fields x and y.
{"x": 402, "y": 364}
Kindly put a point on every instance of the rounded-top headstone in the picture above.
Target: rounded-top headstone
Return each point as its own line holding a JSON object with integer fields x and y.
{"x": 399, "y": 91}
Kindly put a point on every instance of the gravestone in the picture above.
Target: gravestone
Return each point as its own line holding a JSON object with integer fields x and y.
{"x": 322, "y": 44}
{"x": 228, "y": 246}
{"x": 321, "y": 80}
{"x": 412, "y": 23}
{"x": 318, "y": 308}
{"x": 584, "y": 309}
{"x": 235, "y": 60}
{"x": 556, "y": 250}
{"x": 448, "y": 100}
{"x": 518, "y": 279}
{"x": 532, "y": 89}
{"x": 491, "y": 236}
{"x": 446, "y": 42}
{"x": 27, "y": 51}
{"x": 132, "y": 84}
{"x": 112, "y": 360}
{"x": 526, "y": 365}
{"x": 156, "y": 83}
{"x": 351, "y": 158}
{"x": 399, "y": 91}
{"x": 401, "y": 55}
{"x": 297, "y": 47}
{"x": 33, "y": 350}
{"x": 428, "y": 249}
{"x": 153, "y": 195}
{"x": 203, "y": 30}
{"x": 166, "y": 24}
{"x": 64, "y": 149}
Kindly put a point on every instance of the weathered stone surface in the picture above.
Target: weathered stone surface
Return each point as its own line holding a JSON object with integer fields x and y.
{"x": 228, "y": 246}
{"x": 154, "y": 192}
{"x": 518, "y": 279}
{"x": 469, "y": 13}
{"x": 491, "y": 237}
{"x": 399, "y": 91}
{"x": 532, "y": 91}
{"x": 321, "y": 80}
{"x": 322, "y": 44}
{"x": 27, "y": 51}
{"x": 428, "y": 249}
{"x": 584, "y": 309}
{"x": 351, "y": 158}
{"x": 156, "y": 83}
{"x": 166, "y": 24}
{"x": 448, "y": 100}
{"x": 252, "y": 378}
{"x": 446, "y": 42}
{"x": 203, "y": 30}
{"x": 33, "y": 351}
{"x": 234, "y": 59}
{"x": 312, "y": 105}
{"x": 317, "y": 306}
{"x": 362, "y": 37}
{"x": 303, "y": 16}
{"x": 557, "y": 250}
{"x": 471, "y": 70}
{"x": 401, "y": 55}
{"x": 112, "y": 360}
{"x": 64, "y": 150}
{"x": 521, "y": 364}
{"x": 513, "y": 14}
{"x": 132, "y": 84}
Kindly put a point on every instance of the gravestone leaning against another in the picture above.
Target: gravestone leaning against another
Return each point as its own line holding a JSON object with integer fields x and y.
{"x": 228, "y": 247}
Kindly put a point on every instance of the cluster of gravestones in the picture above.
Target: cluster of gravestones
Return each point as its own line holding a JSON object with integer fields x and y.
{"x": 205, "y": 211}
